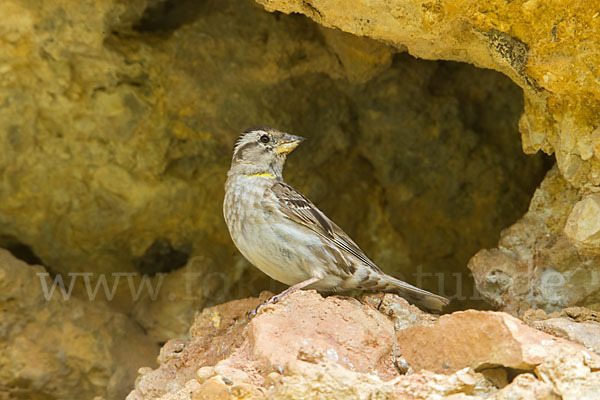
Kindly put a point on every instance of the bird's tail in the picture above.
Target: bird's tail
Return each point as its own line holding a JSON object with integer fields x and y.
{"x": 419, "y": 297}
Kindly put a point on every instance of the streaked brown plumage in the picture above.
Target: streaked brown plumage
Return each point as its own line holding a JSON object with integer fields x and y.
{"x": 285, "y": 235}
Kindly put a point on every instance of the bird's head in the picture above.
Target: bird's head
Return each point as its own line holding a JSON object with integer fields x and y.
{"x": 262, "y": 151}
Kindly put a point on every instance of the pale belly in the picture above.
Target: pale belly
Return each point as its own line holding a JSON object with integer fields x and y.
{"x": 283, "y": 250}
{"x": 278, "y": 251}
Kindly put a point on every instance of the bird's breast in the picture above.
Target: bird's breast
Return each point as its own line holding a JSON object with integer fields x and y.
{"x": 270, "y": 242}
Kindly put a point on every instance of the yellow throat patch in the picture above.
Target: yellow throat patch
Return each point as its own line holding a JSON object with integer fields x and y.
{"x": 264, "y": 175}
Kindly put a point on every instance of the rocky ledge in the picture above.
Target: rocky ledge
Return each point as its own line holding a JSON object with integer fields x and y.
{"x": 377, "y": 347}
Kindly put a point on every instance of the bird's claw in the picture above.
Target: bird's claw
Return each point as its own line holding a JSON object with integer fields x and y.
{"x": 272, "y": 300}
{"x": 252, "y": 313}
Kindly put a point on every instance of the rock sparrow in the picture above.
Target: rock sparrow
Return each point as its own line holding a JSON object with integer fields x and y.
{"x": 286, "y": 236}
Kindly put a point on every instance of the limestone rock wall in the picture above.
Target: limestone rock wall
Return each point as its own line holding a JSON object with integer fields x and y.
{"x": 548, "y": 49}
{"x": 63, "y": 348}
{"x": 120, "y": 119}
{"x": 546, "y": 260}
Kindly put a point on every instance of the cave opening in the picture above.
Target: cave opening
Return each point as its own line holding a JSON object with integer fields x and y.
{"x": 420, "y": 162}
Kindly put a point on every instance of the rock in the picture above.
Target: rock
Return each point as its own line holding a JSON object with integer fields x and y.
{"x": 536, "y": 265}
{"x": 588, "y": 334}
{"x": 400, "y": 311}
{"x": 493, "y": 339}
{"x": 583, "y": 223}
{"x": 215, "y": 335}
{"x": 303, "y": 329}
{"x": 361, "y": 58}
{"x": 335, "y": 382}
{"x": 63, "y": 348}
{"x": 541, "y": 48}
{"x": 573, "y": 376}
{"x": 287, "y": 351}
{"x": 527, "y": 387}
{"x": 577, "y": 324}
{"x": 166, "y": 312}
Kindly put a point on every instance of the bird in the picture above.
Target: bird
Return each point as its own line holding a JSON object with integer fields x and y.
{"x": 282, "y": 233}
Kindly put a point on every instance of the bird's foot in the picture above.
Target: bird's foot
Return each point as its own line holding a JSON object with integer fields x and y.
{"x": 272, "y": 300}
{"x": 253, "y": 313}
{"x": 281, "y": 295}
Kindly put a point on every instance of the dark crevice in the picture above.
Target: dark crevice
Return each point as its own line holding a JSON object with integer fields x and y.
{"x": 20, "y": 250}
{"x": 512, "y": 373}
{"x": 501, "y": 375}
{"x": 162, "y": 257}
{"x": 169, "y": 15}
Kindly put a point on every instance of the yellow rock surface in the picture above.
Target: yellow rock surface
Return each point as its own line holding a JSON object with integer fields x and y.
{"x": 548, "y": 48}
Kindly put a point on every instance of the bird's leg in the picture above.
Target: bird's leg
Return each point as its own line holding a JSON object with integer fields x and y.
{"x": 281, "y": 295}
{"x": 292, "y": 289}
{"x": 381, "y": 300}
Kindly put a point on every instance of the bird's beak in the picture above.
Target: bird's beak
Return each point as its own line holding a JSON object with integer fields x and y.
{"x": 288, "y": 143}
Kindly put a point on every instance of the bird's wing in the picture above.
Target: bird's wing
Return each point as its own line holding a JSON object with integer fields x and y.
{"x": 301, "y": 210}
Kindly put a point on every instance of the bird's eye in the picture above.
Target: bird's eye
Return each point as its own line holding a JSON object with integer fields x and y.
{"x": 264, "y": 139}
